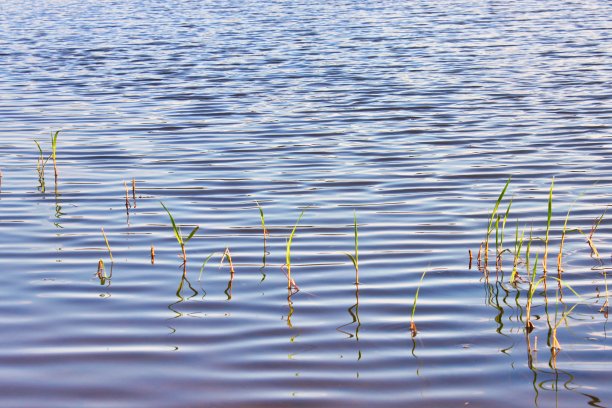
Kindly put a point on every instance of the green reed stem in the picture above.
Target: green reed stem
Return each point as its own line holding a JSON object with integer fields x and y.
{"x": 288, "y": 252}
{"x": 110, "y": 253}
{"x": 355, "y": 256}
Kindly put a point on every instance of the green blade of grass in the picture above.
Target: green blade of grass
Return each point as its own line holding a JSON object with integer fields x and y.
{"x": 416, "y": 296}
{"x": 288, "y": 250}
{"x": 110, "y": 253}
{"x": 176, "y": 230}
{"x": 204, "y": 264}
{"x": 192, "y": 234}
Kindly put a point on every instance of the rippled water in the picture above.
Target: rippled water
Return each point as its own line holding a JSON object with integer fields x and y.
{"x": 411, "y": 114}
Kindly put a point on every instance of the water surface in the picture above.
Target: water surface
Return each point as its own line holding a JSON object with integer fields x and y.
{"x": 412, "y": 114}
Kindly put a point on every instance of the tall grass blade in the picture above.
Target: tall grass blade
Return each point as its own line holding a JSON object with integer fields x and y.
{"x": 413, "y": 328}
{"x": 548, "y": 219}
{"x": 355, "y": 257}
{"x": 204, "y": 264}
{"x": 492, "y": 218}
{"x": 110, "y": 253}
{"x": 288, "y": 252}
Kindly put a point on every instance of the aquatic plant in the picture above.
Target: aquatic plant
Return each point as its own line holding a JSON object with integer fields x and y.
{"x": 499, "y": 236}
{"x": 227, "y": 255}
{"x": 54, "y": 151}
{"x": 182, "y": 240}
{"x": 134, "y": 191}
{"x": 290, "y": 282}
{"x": 518, "y": 245}
{"x": 548, "y": 219}
{"x": 531, "y": 291}
{"x": 41, "y": 162}
{"x": 127, "y": 200}
{"x": 266, "y": 234}
{"x": 413, "y": 328}
{"x": 493, "y": 217}
{"x": 152, "y": 255}
{"x": 204, "y": 264}
{"x": 110, "y": 253}
{"x": 263, "y": 222}
{"x": 594, "y": 227}
{"x": 354, "y": 257}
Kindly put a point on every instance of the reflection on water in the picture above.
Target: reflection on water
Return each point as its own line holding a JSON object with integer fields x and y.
{"x": 237, "y": 114}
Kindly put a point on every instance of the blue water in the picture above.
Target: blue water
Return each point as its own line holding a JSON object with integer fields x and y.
{"x": 410, "y": 115}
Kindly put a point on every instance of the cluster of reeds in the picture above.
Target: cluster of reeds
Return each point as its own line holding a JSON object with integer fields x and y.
{"x": 496, "y": 223}
{"x": 42, "y": 160}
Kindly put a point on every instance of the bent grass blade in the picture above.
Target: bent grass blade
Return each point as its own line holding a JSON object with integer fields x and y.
{"x": 291, "y": 282}
{"x": 413, "y": 328}
{"x": 177, "y": 233}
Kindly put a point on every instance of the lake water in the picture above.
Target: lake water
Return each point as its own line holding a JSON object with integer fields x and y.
{"x": 411, "y": 115}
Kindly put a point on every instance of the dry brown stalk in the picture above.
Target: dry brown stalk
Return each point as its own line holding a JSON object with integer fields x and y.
{"x": 228, "y": 255}
{"x": 152, "y": 255}
{"x": 470, "y": 254}
{"x": 127, "y": 201}
{"x": 134, "y": 191}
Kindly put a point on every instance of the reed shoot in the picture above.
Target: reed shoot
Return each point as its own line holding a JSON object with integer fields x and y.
{"x": 290, "y": 282}
{"x": 549, "y": 217}
{"x": 127, "y": 200}
{"x": 134, "y": 191}
{"x": 152, "y": 255}
{"x": 500, "y": 246}
{"x": 413, "y": 328}
{"x": 228, "y": 255}
{"x": 532, "y": 288}
{"x": 492, "y": 219}
{"x": 54, "y": 151}
{"x": 518, "y": 245}
{"x": 594, "y": 227}
{"x": 563, "y": 235}
{"x": 182, "y": 240}
{"x": 263, "y": 222}
{"x": 204, "y": 265}
{"x": 110, "y": 253}
{"x": 41, "y": 162}
{"x": 354, "y": 257}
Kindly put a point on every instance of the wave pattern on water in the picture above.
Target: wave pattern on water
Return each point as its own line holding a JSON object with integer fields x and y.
{"x": 413, "y": 114}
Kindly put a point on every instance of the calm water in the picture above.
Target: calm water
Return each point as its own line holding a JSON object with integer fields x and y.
{"x": 413, "y": 114}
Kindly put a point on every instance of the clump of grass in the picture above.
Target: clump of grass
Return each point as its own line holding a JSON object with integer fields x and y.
{"x": 290, "y": 282}
{"x": 354, "y": 257}
{"x": 413, "y": 328}
{"x": 110, "y": 253}
{"x": 492, "y": 219}
{"x": 41, "y": 162}
{"x": 182, "y": 240}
